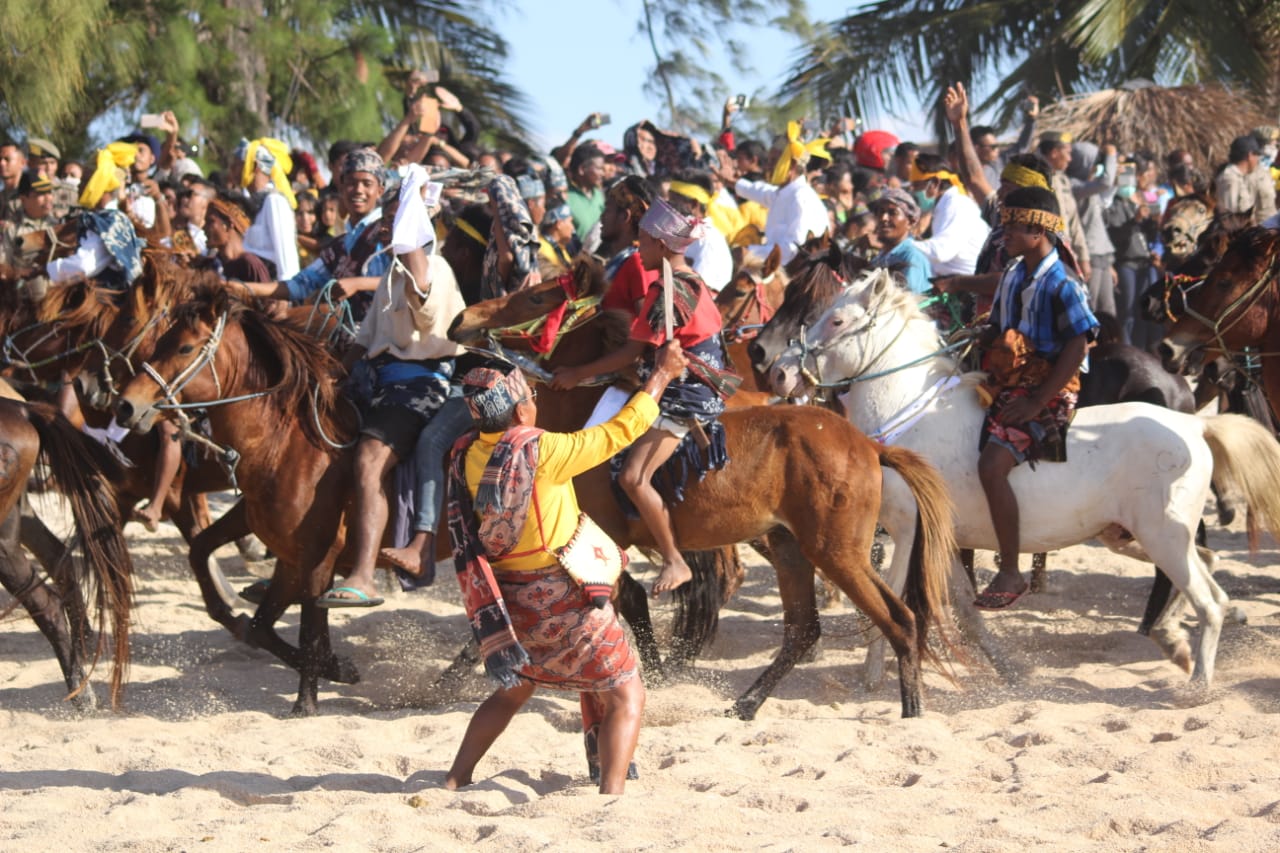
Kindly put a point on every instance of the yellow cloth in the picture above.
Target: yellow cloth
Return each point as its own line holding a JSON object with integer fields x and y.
{"x": 553, "y": 257}
{"x": 795, "y": 150}
{"x": 754, "y": 215}
{"x": 280, "y": 167}
{"x": 917, "y": 174}
{"x": 692, "y": 191}
{"x": 106, "y": 174}
{"x": 727, "y": 220}
{"x": 561, "y": 457}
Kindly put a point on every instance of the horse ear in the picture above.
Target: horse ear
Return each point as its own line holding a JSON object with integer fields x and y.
{"x": 883, "y": 281}
{"x": 773, "y": 261}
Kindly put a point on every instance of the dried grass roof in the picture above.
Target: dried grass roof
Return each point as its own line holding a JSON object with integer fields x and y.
{"x": 1201, "y": 119}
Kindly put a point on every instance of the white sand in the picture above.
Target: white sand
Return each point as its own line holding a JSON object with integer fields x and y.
{"x": 1098, "y": 747}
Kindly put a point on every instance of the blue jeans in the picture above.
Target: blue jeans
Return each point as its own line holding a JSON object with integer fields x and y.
{"x": 1134, "y": 278}
{"x": 450, "y": 421}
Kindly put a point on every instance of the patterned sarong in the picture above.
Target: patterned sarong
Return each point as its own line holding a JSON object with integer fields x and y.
{"x": 571, "y": 644}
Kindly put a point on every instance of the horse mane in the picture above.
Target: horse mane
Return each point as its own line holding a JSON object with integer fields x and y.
{"x": 920, "y": 326}
{"x": 285, "y": 359}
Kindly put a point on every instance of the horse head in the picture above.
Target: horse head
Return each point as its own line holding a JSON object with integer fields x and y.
{"x": 185, "y": 363}
{"x": 818, "y": 273}
{"x": 838, "y": 344}
{"x": 529, "y": 304}
{"x": 1187, "y": 218}
{"x": 1231, "y": 307}
{"x": 755, "y": 293}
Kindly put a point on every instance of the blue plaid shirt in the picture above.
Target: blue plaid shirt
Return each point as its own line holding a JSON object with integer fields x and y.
{"x": 1049, "y": 307}
{"x": 315, "y": 276}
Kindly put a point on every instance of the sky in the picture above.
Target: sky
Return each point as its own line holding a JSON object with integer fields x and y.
{"x": 588, "y": 57}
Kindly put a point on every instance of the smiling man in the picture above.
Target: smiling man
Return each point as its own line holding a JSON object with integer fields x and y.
{"x": 896, "y": 213}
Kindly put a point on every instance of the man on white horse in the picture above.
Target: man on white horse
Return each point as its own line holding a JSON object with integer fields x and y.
{"x": 1040, "y": 327}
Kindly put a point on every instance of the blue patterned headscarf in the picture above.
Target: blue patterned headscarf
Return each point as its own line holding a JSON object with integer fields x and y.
{"x": 516, "y": 223}
{"x": 116, "y": 233}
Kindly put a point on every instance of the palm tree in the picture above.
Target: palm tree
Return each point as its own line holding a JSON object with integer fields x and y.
{"x": 891, "y": 52}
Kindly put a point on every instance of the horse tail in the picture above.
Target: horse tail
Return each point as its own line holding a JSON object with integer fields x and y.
{"x": 1246, "y": 455}
{"x": 79, "y": 468}
{"x": 926, "y": 591}
{"x": 716, "y": 576}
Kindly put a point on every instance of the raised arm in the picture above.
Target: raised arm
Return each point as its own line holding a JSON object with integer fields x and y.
{"x": 956, "y": 103}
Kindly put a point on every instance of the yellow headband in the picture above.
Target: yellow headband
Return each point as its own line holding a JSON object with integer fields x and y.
{"x": 692, "y": 191}
{"x": 940, "y": 175}
{"x": 1045, "y": 219}
{"x": 280, "y": 166}
{"x": 796, "y": 151}
{"x": 1023, "y": 176}
{"x": 470, "y": 230}
{"x": 104, "y": 178}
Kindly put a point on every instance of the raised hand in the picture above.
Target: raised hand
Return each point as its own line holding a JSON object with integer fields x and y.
{"x": 956, "y": 103}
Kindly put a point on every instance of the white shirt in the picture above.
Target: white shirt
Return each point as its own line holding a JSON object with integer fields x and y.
{"x": 273, "y": 236}
{"x": 795, "y": 213}
{"x": 711, "y": 259}
{"x": 89, "y": 259}
{"x": 959, "y": 232}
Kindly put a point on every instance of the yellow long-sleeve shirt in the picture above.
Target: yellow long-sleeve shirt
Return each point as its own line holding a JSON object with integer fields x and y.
{"x": 561, "y": 457}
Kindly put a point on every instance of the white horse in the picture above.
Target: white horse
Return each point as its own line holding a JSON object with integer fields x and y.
{"x": 1136, "y": 476}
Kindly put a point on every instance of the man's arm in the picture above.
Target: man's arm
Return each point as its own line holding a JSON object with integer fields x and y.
{"x": 761, "y": 192}
{"x": 563, "y": 152}
{"x": 956, "y": 103}
{"x": 1029, "y": 117}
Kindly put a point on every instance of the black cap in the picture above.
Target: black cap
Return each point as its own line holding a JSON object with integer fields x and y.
{"x": 34, "y": 182}
{"x": 1242, "y": 147}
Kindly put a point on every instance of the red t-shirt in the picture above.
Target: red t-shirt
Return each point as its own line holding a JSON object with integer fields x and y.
{"x": 704, "y": 323}
{"x": 629, "y": 286}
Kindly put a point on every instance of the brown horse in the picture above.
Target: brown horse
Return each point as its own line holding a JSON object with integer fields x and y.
{"x": 251, "y": 371}
{"x": 1234, "y": 311}
{"x": 746, "y": 305}
{"x": 803, "y": 480}
{"x": 32, "y": 433}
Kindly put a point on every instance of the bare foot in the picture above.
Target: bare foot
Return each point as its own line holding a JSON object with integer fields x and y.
{"x": 149, "y": 517}
{"x": 675, "y": 574}
{"x": 409, "y": 559}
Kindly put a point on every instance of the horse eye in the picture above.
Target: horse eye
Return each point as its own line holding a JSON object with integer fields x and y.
{"x": 187, "y": 349}
{"x": 837, "y": 321}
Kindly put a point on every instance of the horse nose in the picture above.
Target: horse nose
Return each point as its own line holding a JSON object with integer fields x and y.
{"x": 124, "y": 413}
{"x": 783, "y": 380}
{"x": 755, "y": 352}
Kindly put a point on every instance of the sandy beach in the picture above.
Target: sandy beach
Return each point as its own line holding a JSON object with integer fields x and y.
{"x": 1098, "y": 746}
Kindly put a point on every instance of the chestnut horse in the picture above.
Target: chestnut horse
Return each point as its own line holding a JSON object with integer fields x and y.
{"x": 803, "y": 480}
{"x": 746, "y": 305}
{"x": 271, "y": 392}
{"x": 36, "y": 432}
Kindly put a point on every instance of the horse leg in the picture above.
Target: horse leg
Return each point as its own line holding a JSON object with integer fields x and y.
{"x": 463, "y": 665}
{"x": 53, "y": 557}
{"x": 632, "y": 603}
{"x": 800, "y": 619}
{"x": 316, "y": 655}
{"x": 46, "y": 608}
{"x": 218, "y": 597}
{"x": 1175, "y": 551}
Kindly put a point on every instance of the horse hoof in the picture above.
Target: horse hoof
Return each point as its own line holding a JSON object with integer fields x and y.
{"x": 1226, "y": 515}
{"x": 341, "y": 671}
{"x": 86, "y": 700}
{"x": 743, "y": 710}
{"x": 241, "y": 629}
{"x": 1234, "y": 615}
{"x": 1181, "y": 656}
{"x": 303, "y": 709}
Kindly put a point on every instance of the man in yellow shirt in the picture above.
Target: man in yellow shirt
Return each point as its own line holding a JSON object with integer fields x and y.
{"x": 511, "y": 504}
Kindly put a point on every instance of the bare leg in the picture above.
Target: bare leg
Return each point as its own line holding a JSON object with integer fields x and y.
{"x": 619, "y": 732}
{"x": 994, "y": 466}
{"x": 374, "y": 460}
{"x": 647, "y": 455}
{"x": 489, "y": 721}
{"x": 168, "y": 459}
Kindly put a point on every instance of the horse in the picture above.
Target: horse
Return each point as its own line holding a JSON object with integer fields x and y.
{"x": 746, "y": 306}
{"x": 805, "y": 481}
{"x": 36, "y": 433}
{"x": 1136, "y": 476}
{"x": 249, "y": 371}
{"x": 1233, "y": 310}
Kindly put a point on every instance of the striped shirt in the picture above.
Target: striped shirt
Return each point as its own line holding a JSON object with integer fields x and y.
{"x": 1049, "y": 306}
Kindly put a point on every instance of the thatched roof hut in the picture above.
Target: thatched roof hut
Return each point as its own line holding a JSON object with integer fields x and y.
{"x": 1201, "y": 119}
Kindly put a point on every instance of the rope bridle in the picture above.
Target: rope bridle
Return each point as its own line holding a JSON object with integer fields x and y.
{"x": 735, "y": 329}
{"x": 1241, "y": 305}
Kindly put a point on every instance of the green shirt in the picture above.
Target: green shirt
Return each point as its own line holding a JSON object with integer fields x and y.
{"x": 586, "y": 209}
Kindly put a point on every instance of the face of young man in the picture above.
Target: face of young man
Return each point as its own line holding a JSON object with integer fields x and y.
{"x": 1021, "y": 239}
{"x": 591, "y": 173}
{"x": 650, "y": 251}
{"x": 987, "y": 147}
{"x": 1059, "y": 158}
{"x": 360, "y": 192}
{"x": 37, "y": 205}
{"x": 216, "y": 230}
{"x": 12, "y": 162}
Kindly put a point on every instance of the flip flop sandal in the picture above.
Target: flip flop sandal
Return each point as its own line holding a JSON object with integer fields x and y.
{"x": 334, "y": 602}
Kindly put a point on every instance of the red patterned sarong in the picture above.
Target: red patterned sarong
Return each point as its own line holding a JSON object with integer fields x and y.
{"x": 571, "y": 645}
